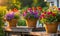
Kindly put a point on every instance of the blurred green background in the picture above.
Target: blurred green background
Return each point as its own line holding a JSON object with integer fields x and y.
{"x": 19, "y": 4}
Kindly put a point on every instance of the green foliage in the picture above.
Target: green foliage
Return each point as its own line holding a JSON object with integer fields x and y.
{"x": 25, "y": 3}
{"x": 13, "y": 4}
{"x": 21, "y": 23}
{"x": 39, "y": 3}
{"x": 19, "y": 4}
{"x": 58, "y": 16}
{"x": 52, "y": 19}
{"x": 1, "y": 32}
{"x": 45, "y": 8}
{"x": 16, "y": 16}
{"x": 1, "y": 17}
{"x": 2, "y": 13}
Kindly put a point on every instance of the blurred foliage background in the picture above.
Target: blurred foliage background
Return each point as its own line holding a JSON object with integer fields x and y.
{"x": 3, "y": 10}
{"x": 20, "y": 5}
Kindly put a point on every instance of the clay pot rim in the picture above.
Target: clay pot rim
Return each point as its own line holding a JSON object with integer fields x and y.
{"x": 51, "y": 23}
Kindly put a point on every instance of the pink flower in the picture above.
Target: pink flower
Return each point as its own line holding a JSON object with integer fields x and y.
{"x": 41, "y": 17}
{"x": 29, "y": 9}
{"x": 24, "y": 14}
{"x": 35, "y": 12}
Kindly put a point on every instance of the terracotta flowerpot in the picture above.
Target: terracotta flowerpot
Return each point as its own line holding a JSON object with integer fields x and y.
{"x": 58, "y": 22}
{"x": 31, "y": 23}
{"x": 12, "y": 23}
{"x": 51, "y": 28}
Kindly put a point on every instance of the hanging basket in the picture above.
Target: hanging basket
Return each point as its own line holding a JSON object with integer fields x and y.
{"x": 51, "y": 28}
{"x": 12, "y": 23}
{"x": 31, "y": 22}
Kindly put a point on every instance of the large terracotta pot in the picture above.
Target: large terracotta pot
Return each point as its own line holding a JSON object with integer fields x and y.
{"x": 51, "y": 27}
{"x": 58, "y": 22}
{"x": 12, "y": 23}
{"x": 31, "y": 22}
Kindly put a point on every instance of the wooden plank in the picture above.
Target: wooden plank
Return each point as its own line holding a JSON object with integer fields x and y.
{"x": 45, "y": 34}
{"x": 18, "y": 29}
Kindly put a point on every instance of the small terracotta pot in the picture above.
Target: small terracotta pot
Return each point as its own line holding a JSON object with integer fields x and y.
{"x": 31, "y": 23}
{"x": 12, "y": 23}
{"x": 51, "y": 27}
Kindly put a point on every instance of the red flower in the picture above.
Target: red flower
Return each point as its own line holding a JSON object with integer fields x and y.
{"x": 49, "y": 13}
{"x": 45, "y": 12}
{"x": 53, "y": 14}
{"x": 42, "y": 16}
{"x": 58, "y": 8}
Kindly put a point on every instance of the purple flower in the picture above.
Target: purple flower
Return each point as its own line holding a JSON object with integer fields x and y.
{"x": 32, "y": 13}
{"x": 10, "y": 16}
{"x": 36, "y": 16}
{"x": 36, "y": 13}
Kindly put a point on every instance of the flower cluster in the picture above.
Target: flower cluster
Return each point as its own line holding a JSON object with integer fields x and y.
{"x": 51, "y": 15}
{"x": 12, "y": 15}
{"x": 31, "y": 13}
{"x": 48, "y": 17}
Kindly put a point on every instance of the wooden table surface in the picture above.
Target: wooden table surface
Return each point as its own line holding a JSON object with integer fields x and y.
{"x": 27, "y": 31}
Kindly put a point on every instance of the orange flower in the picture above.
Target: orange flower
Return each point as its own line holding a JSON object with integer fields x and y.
{"x": 15, "y": 10}
{"x": 34, "y": 9}
{"x": 39, "y": 8}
